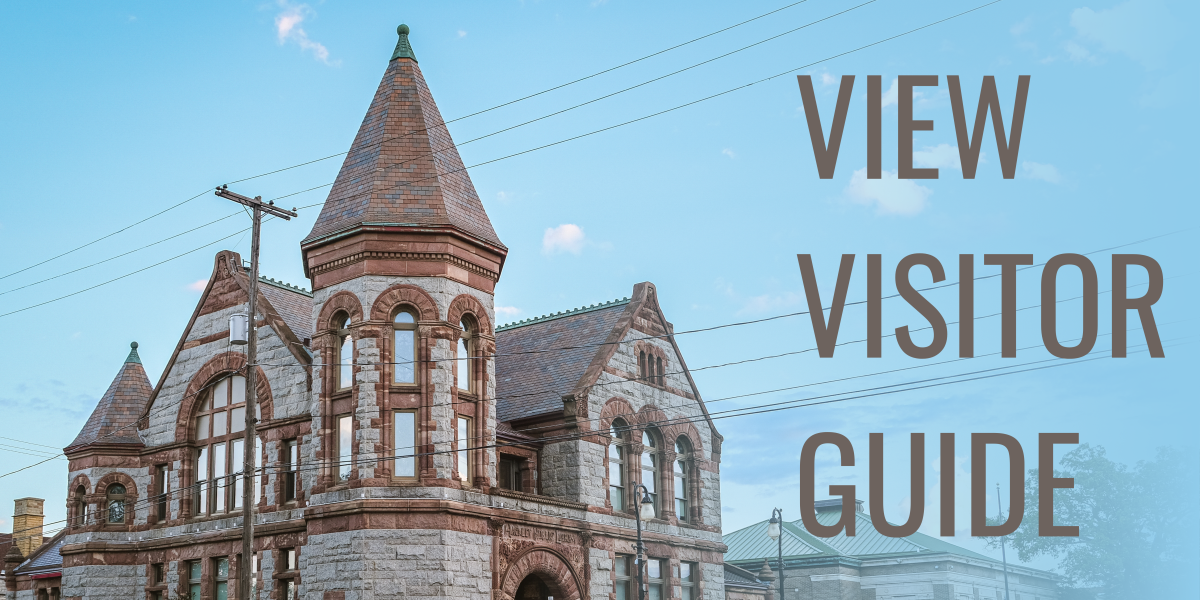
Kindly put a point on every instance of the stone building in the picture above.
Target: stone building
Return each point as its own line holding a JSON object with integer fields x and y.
{"x": 409, "y": 447}
{"x": 872, "y": 566}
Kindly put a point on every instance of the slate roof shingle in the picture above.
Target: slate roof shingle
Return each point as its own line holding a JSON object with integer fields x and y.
{"x": 532, "y": 374}
{"x": 113, "y": 421}
{"x": 403, "y": 167}
{"x": 293, "y": 304}
{"x": 47, "y": 557}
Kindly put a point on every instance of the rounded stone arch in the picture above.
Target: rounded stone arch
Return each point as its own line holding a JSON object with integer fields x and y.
{"x": 341, "y": 301}
{"x": 412, "y": 295}
{"x": 616, "y": 408}
{"x": 466, "y": 303}
{"x": 651, "y": 415}
{"x": 101, "y": 491}
{"x": 80, "y": 480}
{"x": 554, "y": 570}
{"x": 675, "y": 431}
{"x": 221, "y": 365}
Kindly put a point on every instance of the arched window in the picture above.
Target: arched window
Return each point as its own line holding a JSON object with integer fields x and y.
{"x": 683, "y": 454}
{"x": 642, "y": 366}
{"x": 659, "y": 372}
{"x": 405, "y": 339}
{"x": 650, "y": 466}
{"x": 81, "y": 506}
{"x": 220, "y": 421}
{"x": 115, "y": 503}
{"x": 345, "y": 370}
{"x": 466, "y": 345}
{"x": 616, "y": 465}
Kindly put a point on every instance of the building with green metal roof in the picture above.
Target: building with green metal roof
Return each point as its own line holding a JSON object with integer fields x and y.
{"x": 872, "y": 566}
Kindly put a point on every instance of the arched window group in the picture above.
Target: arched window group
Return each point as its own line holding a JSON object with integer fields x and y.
{"x": 650, "y": 368}
{"x": 114, "y": 503}
{"x": 650, "y": 472}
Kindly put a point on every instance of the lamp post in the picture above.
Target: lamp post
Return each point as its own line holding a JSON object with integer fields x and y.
{"x": 775, "y": 532}
{"x": 645, "y": 510}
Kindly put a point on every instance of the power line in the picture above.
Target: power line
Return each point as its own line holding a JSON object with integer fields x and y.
{"x": 557, "y": 87}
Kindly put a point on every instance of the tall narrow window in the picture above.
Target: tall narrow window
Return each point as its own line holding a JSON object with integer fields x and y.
{"x": 160, "y": 493}
{"x": 465, "y": 374}
{"x": 654, "y": 579}
{"x": 195, "y": 578}
{"x": 258, "y": 458}
{"x": 463, "y": 442}
{"x": 406, "y": 347}
{"x": 509, "y": 472}
{"x": 200, "y": 490}
{"x": 221, "y": 579}
{"x": 659, "y": 378}
{"x": 687, "y": 581}
{"x": 683, "y": 452}
{"x": 289, "y": 565}
{"x": 624, "y": 581}
{"x": 81, "y": 506}
{"x": 642, "y": 365}
{"x": 220, "y": 486}
{"x": 115, "y": 503}
{"x": 345, "y": 370}
{"x": 405, "y": 443}
{"x": 291, "y": 464}
{"x": 220, "y": 423}
{"x": 616, "y": 466}
{"x": 157, "y": 581}
{"x": 345, "y": 448}
{"x": 237, "y": 461}
{"x": 650, "y": 468}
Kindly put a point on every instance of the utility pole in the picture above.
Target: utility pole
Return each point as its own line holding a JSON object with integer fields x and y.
{"x": 1003, "y": 553}
{"x": 249, "y": 447}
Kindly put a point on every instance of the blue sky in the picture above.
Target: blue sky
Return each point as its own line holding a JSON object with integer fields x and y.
{"x": 116, "y": 111}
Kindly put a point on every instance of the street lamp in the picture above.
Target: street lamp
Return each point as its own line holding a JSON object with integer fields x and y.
{"x": 775, "y": 532}
{"x": 645, "y": 510}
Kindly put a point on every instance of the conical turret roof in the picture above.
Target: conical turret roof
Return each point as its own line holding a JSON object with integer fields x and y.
{"x": 113, "y": 421}
{"x": 403, "y": 170}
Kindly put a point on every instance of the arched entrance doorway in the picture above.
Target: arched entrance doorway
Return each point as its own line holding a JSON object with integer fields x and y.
{"x": 540, "y": 574}
{"x": 533, "y": 588}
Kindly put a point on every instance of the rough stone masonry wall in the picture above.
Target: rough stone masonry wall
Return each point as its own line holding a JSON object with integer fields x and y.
{"x": 414, "y": 564}
{"x": 574, "y": 470}
{"x": 443, "y": 291}
{"x": 285, "y": 376}
{"x": 104, "y": 582}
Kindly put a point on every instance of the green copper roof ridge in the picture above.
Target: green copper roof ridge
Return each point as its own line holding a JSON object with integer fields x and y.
{"x": 561, "y": 314}
{"x": 133, "y": 355}
{"x": 284, "y": 285}
{"x": 403, "y": 48}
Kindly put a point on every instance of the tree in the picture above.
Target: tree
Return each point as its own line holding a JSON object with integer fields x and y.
{"x": 1139, "y": 528}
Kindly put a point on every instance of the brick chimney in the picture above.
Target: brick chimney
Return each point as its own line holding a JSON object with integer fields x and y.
{"x": 27, "y": 524}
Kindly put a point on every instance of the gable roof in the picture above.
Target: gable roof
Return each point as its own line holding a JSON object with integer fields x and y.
{"x": 532, "y": 374}
{"x": 403, "y": 169}
{"x": 539, "y": 361}
{"x": 751, "y": 544}
{"x": 47, "y": 558}
{"x": 295, "y": 303}
{"x": 113, "y": 419}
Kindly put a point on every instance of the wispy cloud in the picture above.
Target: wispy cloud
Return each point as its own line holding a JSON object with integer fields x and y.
{"x": 462, "y": 34}
{"x": 889, "y": 195}
{"x": 1140, "y": 29}
{"x": 288, "y": 29}
{"x": 728, "y": 152}
{"x": 1045, "y": 172}
{"x": 567, "y": 237}
{"x": 827, "y": 79}
{"x": 198, "y": 285}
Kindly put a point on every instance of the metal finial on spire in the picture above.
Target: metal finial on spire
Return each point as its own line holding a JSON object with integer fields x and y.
{"x": 403, "y": 48}
{"x": 133, "y": 355}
